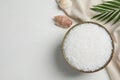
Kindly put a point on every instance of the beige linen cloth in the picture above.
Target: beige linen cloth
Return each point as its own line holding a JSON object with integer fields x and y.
{"x": 80, "y": 10}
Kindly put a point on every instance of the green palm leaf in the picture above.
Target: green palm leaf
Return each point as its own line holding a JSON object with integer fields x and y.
{"x": 113, "y": 16}
{"x": 107, "y": 16}
{"x": 117, "y": 19}
{"x": 108, "y": 11}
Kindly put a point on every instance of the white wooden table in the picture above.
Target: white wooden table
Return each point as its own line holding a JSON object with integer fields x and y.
{"x": 30, "y": 43}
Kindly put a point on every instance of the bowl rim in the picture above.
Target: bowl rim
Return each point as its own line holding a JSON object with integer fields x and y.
{"x": 107, "y": 62}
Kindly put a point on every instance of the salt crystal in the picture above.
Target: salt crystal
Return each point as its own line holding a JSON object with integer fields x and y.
{"x": 88, "y": 47}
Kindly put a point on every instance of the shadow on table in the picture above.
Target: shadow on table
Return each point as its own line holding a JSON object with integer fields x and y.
{"x": 62, "y": 66}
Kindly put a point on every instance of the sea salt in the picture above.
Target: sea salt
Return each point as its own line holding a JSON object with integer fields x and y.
{"x": 87, "y": 47}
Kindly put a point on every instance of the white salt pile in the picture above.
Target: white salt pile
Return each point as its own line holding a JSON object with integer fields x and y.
{"x": 88, "y": 47}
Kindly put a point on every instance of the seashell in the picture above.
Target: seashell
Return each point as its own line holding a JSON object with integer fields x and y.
{"x": 63, "y": 21}
{"x": 64, "y": 4}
